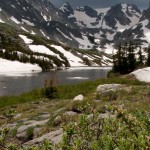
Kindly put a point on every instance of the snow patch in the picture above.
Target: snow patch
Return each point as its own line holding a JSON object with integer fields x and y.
{"x": 43, "y": 50}
{"x": 79, "y": 78}
{"x": 73, "y": 60}
{"x": 32, "y": 32}
{"x": 13, "y": 6}
{"x": 1, "y": 21}
{"x": 28, "y": 22}
{"x": 44, "y": 34}
{"x": 24, "y": 29}
{"x": 82, "y": 17}
{"x": 7, "y": 66}
{"x": 142, "y": 74}
{"x": 26, "y": 40}
{"x": 84, "y": 42}
{"x": 15, "y": 20}
{"x": 64, "y": 34}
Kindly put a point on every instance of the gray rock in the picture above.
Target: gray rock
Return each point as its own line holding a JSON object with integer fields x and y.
{"x": 70, "y": 113}
{"x": 54, "y": 136}
{"x": 106, "y": 115}
{"x": 97, "y": 101}
{"x": 90, "y": 117}
{"x": 59, "y": 110}
{"x": 108, "y": 87}
{"x": 17, "y": 116}
{"x": 11, "y": 125}
{"x": 2, "y": 117}
{"x": 22, "y": 136}
{"x": 36, "y": 131}
{"x": 44, "y": 116}
{"x": 22, "y": 129}
{"x": 79, "y": 98}
{"x": 57, "y": 120}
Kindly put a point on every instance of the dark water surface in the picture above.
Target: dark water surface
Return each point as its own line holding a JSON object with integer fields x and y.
{"x": 15, "y": 84}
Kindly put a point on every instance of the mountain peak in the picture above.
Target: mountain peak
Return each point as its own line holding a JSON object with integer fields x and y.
{"x": 66, "y": 8}
{"x": 145, "y": 14}
{"x": 88, "y": 10}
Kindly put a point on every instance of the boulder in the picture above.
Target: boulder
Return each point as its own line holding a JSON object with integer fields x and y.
{"x": 70, "y": 113}
{"x": 17, "y": 116}
{"x": 79, "y": 98}
{"x": 54, "y": 136}
{"x": 90, "y": 117}
{"x": 21, "y": 132}
{"x": 44, "y": 116}
{"x": 106, "y": 115}
{"x": 57, "y": 120}
{"x": 108, "y": 87}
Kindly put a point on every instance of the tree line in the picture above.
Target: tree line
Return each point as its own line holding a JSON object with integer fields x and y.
{"x": 129, "y": 57}
{"x": 13, "y": 55}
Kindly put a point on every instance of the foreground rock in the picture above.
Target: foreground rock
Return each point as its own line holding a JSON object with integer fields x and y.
{"x": 54, "y": 136}
{"x": 70, "y": 113}
{"x": 21, "y": 132}
{"x": 79, "y": 98}
{"x": 108, "y": 87}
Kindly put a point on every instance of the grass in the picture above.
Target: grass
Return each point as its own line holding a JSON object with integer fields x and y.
{"x": 134, "y": 96}
{"x": 66, "y": 91}
{"x": 23, "y": 98}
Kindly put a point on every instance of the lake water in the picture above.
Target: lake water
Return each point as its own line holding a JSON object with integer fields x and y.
{"x": 15, "y": 84}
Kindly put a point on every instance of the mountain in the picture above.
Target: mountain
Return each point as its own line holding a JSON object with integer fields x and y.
{"x": 18, "y": 45}
{"x": 82, "y": 27}
{"x": 70, "y": 26}
{"x": 104, "y": 23}
{"x": 139, "y": 33}
{"x": 39, "y": 17}
{"x": 103, "y": 26}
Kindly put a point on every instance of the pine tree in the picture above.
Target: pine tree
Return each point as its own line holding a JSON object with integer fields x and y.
{"x": 117, "y": 61}
{"x": 124, "y": 60}
{"x": 140, "y": 58}
{"x": 148, "y": 57}
{"x": 131, "y": 58}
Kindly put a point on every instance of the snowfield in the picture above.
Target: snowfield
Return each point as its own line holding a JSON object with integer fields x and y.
{"x": 142, "y": 74}
{"x": 25, "y": 39}
{"x": 7, "y": 66}
{"x": 1, "y": 21}
{"x": 73, "y": 60}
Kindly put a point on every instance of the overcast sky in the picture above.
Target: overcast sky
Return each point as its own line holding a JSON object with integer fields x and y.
{"x": 142, "y": 4}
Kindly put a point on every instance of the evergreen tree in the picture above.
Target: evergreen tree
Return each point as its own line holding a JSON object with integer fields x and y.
{"x": 131, "y": 58}
{"x": 148, "y": 57}
{"x": 117, "y": 60}
{"x": 124, "y": 60}
{"x": 140, "y": 58}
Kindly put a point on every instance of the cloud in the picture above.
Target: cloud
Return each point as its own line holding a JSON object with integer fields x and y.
{"x": 101, "y": 3}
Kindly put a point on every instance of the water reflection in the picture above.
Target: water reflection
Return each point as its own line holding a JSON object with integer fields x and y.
{"x": 15, "y": 85}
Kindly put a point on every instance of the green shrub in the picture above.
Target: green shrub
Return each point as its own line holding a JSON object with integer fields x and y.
{"x": 30, "y": 133}
{"x": 50, "y": 89}
{"x": 108, "y": 96}
{"x": 123, "y": 132}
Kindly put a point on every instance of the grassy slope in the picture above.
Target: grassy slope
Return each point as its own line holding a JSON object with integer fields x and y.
{"x": 67, "y": 91}
{"x": 136, "y": 96}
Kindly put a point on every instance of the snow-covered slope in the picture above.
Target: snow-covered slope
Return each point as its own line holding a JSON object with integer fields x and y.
{"x": 104, "y": 22}
{"x": 67, "y": 25}
{"x": 7, "y": 66}
{"x": 83, "y": 27}
{"x": 142, "y": 74}
{"x": 139, "y": 33}
{"x": 39, "y": 17}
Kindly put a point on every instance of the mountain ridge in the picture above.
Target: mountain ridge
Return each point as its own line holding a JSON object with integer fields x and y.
{"x": 82, "y": 27}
